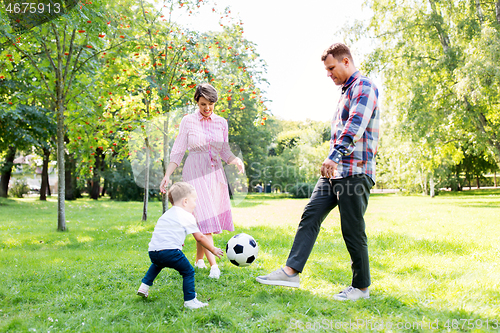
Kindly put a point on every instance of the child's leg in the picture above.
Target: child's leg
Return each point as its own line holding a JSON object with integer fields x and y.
{"x": 156, "y": 266}
{"x": 151, "y": 274}
{"x": 179, "y": 262}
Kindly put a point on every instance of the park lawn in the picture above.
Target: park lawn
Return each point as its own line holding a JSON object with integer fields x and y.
{"x": 433, "y": 262}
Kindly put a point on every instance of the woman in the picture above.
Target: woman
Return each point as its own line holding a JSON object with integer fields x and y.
{"x": 205, "y": 135}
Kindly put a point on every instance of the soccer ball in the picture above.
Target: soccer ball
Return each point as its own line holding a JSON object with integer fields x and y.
{"x": 242, "y": 250}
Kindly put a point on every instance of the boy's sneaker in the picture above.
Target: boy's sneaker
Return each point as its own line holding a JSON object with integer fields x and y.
{"x": 351, "y": 293}
{"x": 194, "y": 304}
{"x": 200, "y": 264}
{"x": 214, "y": 272}
{"x": 280, "y": 278}
{"x": 143, "y": 290}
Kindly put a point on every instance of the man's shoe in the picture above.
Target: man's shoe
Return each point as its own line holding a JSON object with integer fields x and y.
{"x": 200, "y": 264}
{"x": 194, "y": 304}
{"x": 351, "y": 293}
{"x": 280, "y": 278}
{"x": 214, "y": 272}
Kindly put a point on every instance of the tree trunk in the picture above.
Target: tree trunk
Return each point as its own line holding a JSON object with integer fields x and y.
{"x": 477, "y": 182}
{"x": 495, "y": 178}
{"x": 146, "y": 184}
{"x": 7, "y": 171}
{"x": 96, "y": 175}
{"x": 438, "y": 23}
{"x": 498, "y": 11}
{"x": 61, "y": 171}
{"x": 459, "y": 183}
{"x": 45, "y": 186}
{"x": 69, "y": 178}
{"x": 166, "y": 157}
{"x": 104, "y": 187}
{"x": 479, "y": 12}
{"x": 431, "y": 185}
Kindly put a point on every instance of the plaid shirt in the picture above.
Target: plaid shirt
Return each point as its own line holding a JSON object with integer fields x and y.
{"x": 355, "y": 128}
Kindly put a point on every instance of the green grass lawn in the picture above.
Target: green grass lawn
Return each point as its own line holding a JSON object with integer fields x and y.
{"x": 434, "y": 264}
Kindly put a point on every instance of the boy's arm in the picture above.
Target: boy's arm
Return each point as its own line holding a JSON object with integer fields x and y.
{"x": 203, "y": 240}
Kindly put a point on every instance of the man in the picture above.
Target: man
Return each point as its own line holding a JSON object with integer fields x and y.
{"x": 347, "y": 175}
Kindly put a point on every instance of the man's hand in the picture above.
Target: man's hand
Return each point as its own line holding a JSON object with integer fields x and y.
{"x": 328, "y": 168}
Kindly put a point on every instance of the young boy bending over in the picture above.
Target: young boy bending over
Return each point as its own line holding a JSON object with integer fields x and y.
{"x": 165, "y": 248}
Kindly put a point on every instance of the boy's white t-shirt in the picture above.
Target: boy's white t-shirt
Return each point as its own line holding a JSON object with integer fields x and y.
{"x": 172, "y": 228}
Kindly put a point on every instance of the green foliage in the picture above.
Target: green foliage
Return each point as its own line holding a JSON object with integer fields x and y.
{"x": 302, "y": 190}
{"x": 295, "y": 155}
{"x": 19, "y": 188}
{"x": 121, "y": 183}
{"x": 25, "y": 126}
{"x": 440, "y": 61}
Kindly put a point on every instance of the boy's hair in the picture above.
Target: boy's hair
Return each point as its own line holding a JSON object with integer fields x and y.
{"x": 206, "y": 90}
{"x": 179, "y": 191}
{"x": 339, "y": 51}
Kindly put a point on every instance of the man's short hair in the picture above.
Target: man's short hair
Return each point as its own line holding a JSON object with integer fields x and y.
{"x": 339, "y": 51}
{"x": 206, "y": 90}
{"x": 179, "y": 191}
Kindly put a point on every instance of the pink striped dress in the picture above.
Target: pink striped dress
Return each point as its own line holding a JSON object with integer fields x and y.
{"x": 206, "y": 139}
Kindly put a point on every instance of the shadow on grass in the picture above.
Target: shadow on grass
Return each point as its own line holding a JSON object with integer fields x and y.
{"x": 480, "y": 204}
{"x": 479, "y": 192}
{"x": 257, "y": 199}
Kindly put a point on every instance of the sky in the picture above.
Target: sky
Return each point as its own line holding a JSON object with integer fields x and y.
{"x": 291, "y": 36}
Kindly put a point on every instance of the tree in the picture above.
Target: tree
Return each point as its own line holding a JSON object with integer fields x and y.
{"x": 63, "y": 48}
{"x": 22, "y": 127}
{"x": 296, "y": 154}
{"x": 430, "y": 54}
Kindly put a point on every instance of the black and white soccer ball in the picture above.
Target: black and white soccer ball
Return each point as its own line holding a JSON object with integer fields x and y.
{"x": 242, "y": 250}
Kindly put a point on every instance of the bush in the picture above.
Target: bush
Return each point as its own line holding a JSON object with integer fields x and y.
{"x": 20, "y": 188}
{"x": 121, "y": 183}
{"x": 302, "y": 190}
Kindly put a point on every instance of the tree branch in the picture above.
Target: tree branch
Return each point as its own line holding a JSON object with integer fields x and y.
{"x": 48, "y": 54}
{"x": 438, "y": 22}
{"x": 479, "y": 12}
{"x": 70, "y": 52}
{"x": 42, "y": 76}
{"x": 497, "y": 7}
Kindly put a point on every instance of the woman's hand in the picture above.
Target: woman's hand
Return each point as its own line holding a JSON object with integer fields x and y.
{"x": 239, "y": 164}
{"x": 164, "y": 184}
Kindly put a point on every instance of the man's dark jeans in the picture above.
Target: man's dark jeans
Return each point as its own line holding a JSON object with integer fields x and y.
{"x": 351, "y": 196}
{"x": 172, "y": 259}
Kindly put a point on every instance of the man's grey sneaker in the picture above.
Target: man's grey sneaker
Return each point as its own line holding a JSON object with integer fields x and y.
{"x": 280, "y": 278}
{"x": 194, "y": 304}
{"x": 351, "y": 293}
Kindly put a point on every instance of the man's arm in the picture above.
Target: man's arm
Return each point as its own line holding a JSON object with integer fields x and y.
{"x": 361, "y": 110}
